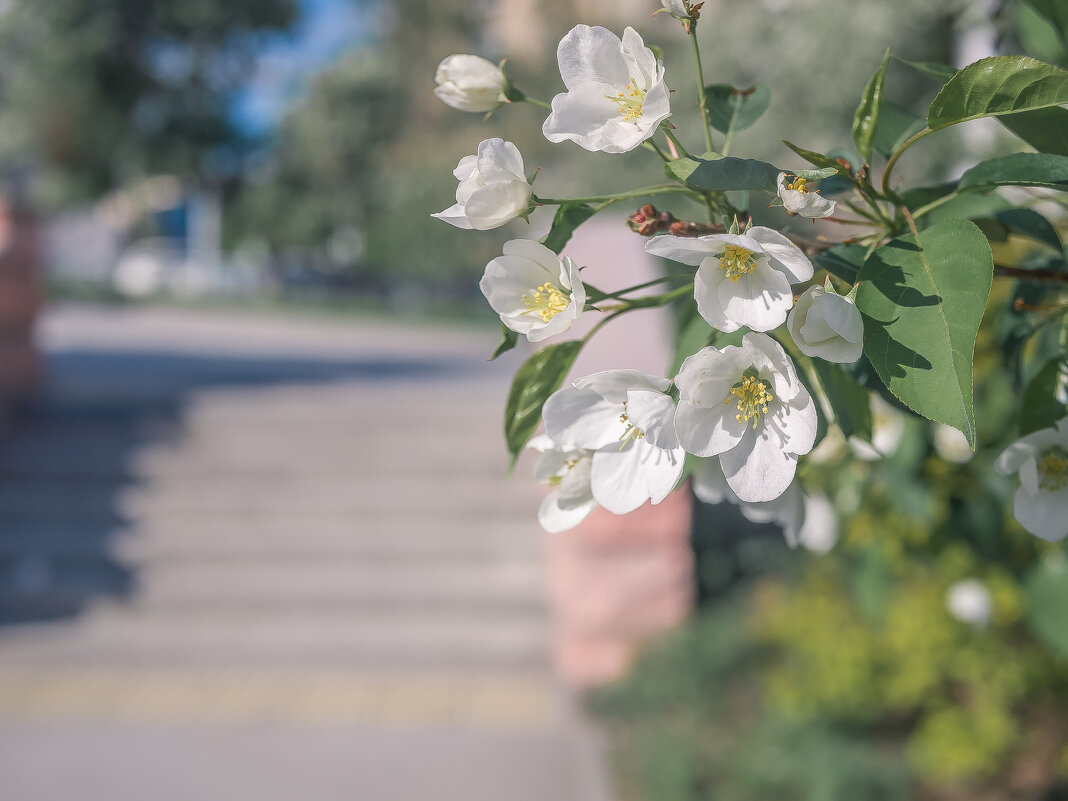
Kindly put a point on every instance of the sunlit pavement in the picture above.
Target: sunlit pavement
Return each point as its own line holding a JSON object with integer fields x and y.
{"x": 251, "y": 558}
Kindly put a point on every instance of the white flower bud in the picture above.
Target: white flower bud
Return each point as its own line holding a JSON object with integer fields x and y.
{"x": 493, "y": 189}
{"x": 470, "y": 83}
{"x": 827, "y": 325}
{"x": 969, "y": 601}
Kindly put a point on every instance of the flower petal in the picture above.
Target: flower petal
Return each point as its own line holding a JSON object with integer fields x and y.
{"x": 454, "y": 215}
{"x": 614, "y": 384}
{"x": 683, "y": 249}
{"x": 617, "y": 480}
{"x": 661, "y": 469}
{"x": 654, "y": 413}
{"x": 500, "y": 161}
{"x": 495, "y": 204}
{"x": 784, "y": 254}
{"x": 554, "y": 518}
{"x": 758, "y": 469}
{"x": 706, "y": 292}
{"x": 707, "y": 431}
{"x": 592, "y": 54}
{"x": 1044, "y": 514}
{"x": 760, "y": 300}
{"x": 582, "y": 418}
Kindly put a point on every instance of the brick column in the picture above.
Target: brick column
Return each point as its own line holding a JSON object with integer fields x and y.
{"x": 617, "y": 579}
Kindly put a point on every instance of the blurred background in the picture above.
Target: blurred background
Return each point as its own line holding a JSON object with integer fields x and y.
{"x": 256, "y": 537}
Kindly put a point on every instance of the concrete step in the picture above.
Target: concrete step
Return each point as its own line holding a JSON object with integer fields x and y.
{"x": 410, "y": 535}
{"x": 113, "y": 636}
{"x": 372, "y": 495}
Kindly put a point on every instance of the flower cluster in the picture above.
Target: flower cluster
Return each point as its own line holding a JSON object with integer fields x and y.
{"x": 740, "y": 406}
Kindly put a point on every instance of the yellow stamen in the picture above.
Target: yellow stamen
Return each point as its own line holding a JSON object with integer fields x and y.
{"x": 630, "y": 101}
{"x": 1053, "y": 470}
{"x": 547, "y": 301}
{"x": 798, "y": 185}
{"x": 752, "y": 397}
{"x": 569, "y": 465}
{"x": 631, "y": 431}
{"x": 737, "y": 261}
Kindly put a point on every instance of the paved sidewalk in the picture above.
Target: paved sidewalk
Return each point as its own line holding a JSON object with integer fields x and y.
{"x": 248, "y": 558}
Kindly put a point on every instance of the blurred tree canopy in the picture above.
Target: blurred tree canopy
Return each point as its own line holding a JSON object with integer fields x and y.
{"x": 96, "y": 92}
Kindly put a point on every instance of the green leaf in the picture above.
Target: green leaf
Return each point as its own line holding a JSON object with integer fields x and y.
{"x": 815, "y": 175}
{"x": 1055, "y": 12}
{"x": 998, "y": 85}
{"x": 841, "y": 261}
{"x": 1045, "y": 400}
{"x": 932, "y": 69}
{"x": 866, "y": 117}
{"x": 1018, "y": 169}
{"x": 849, "y": 401}
{"x": 724, "y": 175}
{"x": 894, "y": 127}
{"x": 508, "y": 341}
{"x": 1046, "y": 589}
{"x": 1045, "y": 129}
{"x": 922, "y": 303}
{"x": 731, "y": 110}
{"x": 819, "y": 159}
{"x": 538, "y": 378}
{"x": 568, "y": 217}
{"x": 1029, "y": 223}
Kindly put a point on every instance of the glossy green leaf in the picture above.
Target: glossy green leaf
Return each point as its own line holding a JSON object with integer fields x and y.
{"x": 995, "y": 86}
{"x": 509, "y": 338}
{"x": 841, "y": 261}
{"x": 932, "y": 69}
{"x": 1018, "y": 169}
{"x": 922, "y": 303}
{"x": 1054, "y": 12}
{"x": 894, "y": 127}
{"x": 538, "y": 378}
{"x": 724, "y": 175}
{"x": 731, "y": 110}
{"x": 1029, "y": 223}
{"x": 849, "y": 401}
{"x": 1045, "y": 129}
{"x": 866, "y": 118}
{"x": 1045, "y": 400}
{"x": 1046, "y": 591}
{"x": 568, "y": 217}
{"x": 819, "y": 159}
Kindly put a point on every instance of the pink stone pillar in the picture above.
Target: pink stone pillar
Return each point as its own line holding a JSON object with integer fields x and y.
{"x": 20, "y": 300}
{"x": 617, "y": 579}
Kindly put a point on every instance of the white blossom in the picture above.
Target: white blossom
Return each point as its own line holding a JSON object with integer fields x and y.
{"x": 493, "y": 188}
{"x": 742, "y": 279}
{"x": 819, "y": 531}
{"x": 969, "y": 601}
{"x": 535, "y": 292}
{"x": 626, "y": 419}
{"x": 951, "y": 444}
{"x": 470, "y": 83}
{"x": 797, "y": 198}
{"x": 746, "y": 405}
{"x": 787, "y": 511}
{"x": 1041, "y": 459}
{"x": 676, "y": 8}
{"x": 567, "y": 471}
{"x": 827, "y": 325}
{"x": 615, "y": 98}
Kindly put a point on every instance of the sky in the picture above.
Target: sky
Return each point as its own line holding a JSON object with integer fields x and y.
{"x": 325, "y": 29}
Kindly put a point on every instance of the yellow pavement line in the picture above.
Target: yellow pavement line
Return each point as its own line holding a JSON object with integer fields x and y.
{"x": 509, "y": 702}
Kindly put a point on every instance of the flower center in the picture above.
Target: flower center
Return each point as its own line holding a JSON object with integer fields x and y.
{"x": 1053, "y": 470}
{"x": 798, "y": 185}
{"x": 752, "y": 396}
{"x": 737, "y": 261}
{"x": 630, "y": 101}
{"x": 631, "y": 431}
{"x": 569, "y": 464}
{"x": 547, "y": 301}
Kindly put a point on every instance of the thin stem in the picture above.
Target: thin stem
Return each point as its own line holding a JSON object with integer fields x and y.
{"x": 701, "y": 100}
{"x": 898, "y": 153}
{"x": 934, "y": 204}
{"x": 661, "y": 189}
{"x": 674, "y": 140}
{"x": 649, "y": 144}
{"x": 654, "y": 282}
{"x": 1002, "y": 271}
{"x": 534, "y": 101}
